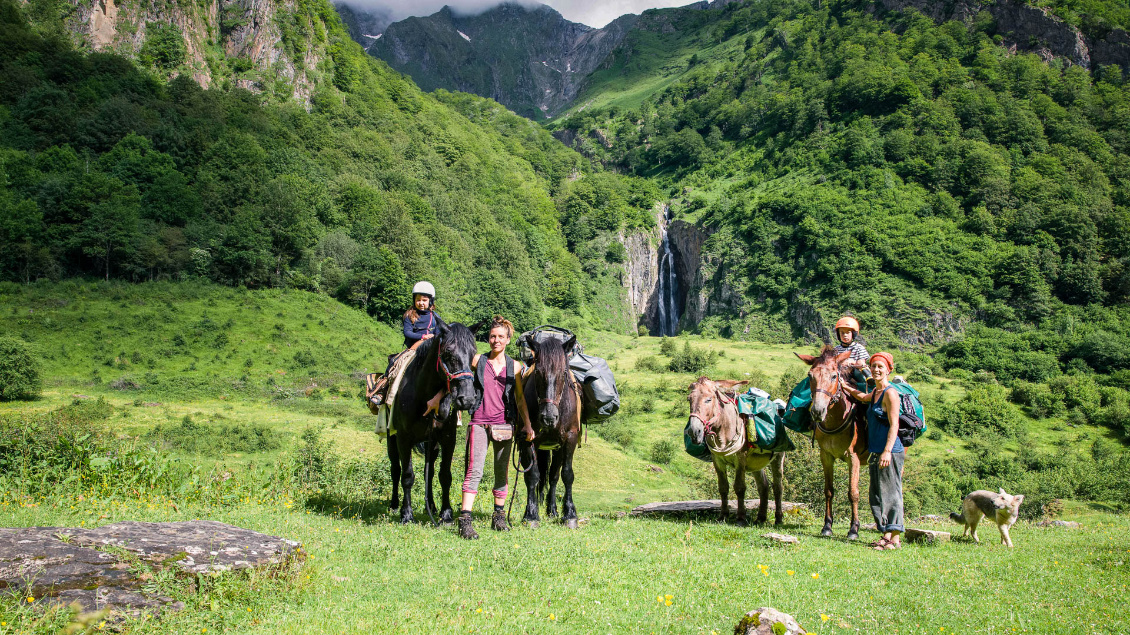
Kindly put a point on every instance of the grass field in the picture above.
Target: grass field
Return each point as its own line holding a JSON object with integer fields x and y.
{"x": 367, "y": 573}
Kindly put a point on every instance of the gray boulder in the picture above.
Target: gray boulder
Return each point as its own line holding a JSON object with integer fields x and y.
{"x": 98, "y": 568}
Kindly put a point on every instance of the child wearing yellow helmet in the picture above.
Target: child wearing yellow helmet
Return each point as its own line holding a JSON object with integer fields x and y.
{"x": 847, "y": 339}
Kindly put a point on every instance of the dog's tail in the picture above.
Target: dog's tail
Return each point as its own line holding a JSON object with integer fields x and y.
{"x": 958, "y": 518}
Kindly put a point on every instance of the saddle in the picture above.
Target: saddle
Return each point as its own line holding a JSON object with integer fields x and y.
{"x": 381, "y": 404}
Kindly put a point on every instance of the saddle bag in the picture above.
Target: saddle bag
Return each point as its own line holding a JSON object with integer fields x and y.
{"x": 598, "y": 383}
{"x": 764, "y": 426}
{"x": 797, "y": 417}
{"x": 912, "y": 422}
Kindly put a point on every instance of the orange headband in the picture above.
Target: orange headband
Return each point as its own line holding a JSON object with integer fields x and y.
{"x": 886, "y": 357}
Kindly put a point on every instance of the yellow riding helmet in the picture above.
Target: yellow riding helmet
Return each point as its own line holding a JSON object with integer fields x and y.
{"x": 847, "y": 322}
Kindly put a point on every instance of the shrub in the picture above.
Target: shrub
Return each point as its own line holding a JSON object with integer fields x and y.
{"x": 1039, "y": 401}
{"x": 618, "y": 431}
{"x": 20, "y": 376}
{"x": 692, "y": 360}
{"x": 662, "y": 451}
{"x": 651, "y": 364}
{"x": 1078, "y": 392}
{"x": 304, "y": 359}
{"x": 213, "y": 440}
{"x": 985, "y": 409}
{"x": 667, "y": 346}
{"x": 789, "y": 380}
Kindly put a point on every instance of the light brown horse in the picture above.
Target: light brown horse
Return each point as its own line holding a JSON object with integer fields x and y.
{"x": 714, "y": 418}
{"x": 837, "y": 428}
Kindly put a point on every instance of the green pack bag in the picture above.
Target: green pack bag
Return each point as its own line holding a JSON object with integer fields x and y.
{"x": 763, "y": 425}
{"x": 797, "y": 417}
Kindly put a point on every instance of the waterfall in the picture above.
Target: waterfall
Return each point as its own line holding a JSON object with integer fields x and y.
{"x": 668, "y": 314}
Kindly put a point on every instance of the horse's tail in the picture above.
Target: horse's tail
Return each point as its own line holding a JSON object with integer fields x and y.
{"x": 957, "y": 518}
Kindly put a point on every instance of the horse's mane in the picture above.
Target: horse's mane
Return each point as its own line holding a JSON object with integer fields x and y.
{"x": 550, "y": 357}
{"x": 461, "y": 337}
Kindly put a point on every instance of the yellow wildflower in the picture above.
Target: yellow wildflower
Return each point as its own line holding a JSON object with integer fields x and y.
{"x": 824, "y": 618}
{"x": 669, "y": 596}
{"x": 791, "y": 572}
{"x": 552, "y": 617}
{"x": 815, "y": 576}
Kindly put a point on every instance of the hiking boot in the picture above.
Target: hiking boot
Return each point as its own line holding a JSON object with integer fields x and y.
{"x": 498, "y": 522}
{"x": 466, "y": 530}
{"x": 380, "y": 389}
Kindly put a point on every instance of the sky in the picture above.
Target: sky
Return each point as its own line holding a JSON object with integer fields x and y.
{"x": 595, "y": 13}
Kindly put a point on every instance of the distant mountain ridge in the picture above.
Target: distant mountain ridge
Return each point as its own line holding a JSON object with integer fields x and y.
{"x": 530, "y": 59}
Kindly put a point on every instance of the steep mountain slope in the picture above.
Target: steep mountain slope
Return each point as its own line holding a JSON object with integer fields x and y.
{"x": 916, "y": 173}
{"x": 528, "y": 58}
{"x": 108, "y": 170}
{"x": 365, "y": 26}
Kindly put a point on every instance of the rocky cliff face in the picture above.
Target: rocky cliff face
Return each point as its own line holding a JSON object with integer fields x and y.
{"x": 642, "y": 274}
{"x": 242, "y": 40}
{"x": 530, "y": 59}
{"x": 1031, "y": 30}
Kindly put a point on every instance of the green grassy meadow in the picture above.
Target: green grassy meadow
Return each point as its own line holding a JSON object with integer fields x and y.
{"x": 617, "y": 573}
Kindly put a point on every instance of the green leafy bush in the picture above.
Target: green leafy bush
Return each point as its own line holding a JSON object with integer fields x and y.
{"x": 20, "y": 375}
{"x": 651, "y": 364}
{"x": 215, "y": 440}
{"x": 984, "y": 410}
{"x": 663, "y": 451}
{"x": 667, "y": 346}
{"x": 693, "y": 360}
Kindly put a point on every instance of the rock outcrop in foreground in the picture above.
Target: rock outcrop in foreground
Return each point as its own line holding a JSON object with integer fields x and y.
{"x": 99, "y": 568}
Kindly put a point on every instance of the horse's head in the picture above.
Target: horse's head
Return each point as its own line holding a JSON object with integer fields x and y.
{"x": 708, "y": 405}
{"x": 456, "y": 350}
{"x": 824, "y": 379}
{"x": 551, "y": 367}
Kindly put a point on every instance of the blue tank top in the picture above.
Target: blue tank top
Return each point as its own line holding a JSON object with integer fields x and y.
{"x": 878, "y": 424}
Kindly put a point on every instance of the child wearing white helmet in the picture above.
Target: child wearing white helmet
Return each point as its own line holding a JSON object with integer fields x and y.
{"x": 420, "y": 323}
{"x": 420, "y": 320}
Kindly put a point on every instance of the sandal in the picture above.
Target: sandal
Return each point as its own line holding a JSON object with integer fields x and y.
{"x": 880, "y": 544}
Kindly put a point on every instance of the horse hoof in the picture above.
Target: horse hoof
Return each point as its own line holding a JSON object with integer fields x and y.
{"x": 852, "y": 536}
{"x": 826, "y": 532}
{"x": 742, "y": 522}
{"x": 407, "y": 520}
{"x": 533, "y": 524}
{"x": 571, "y": 523}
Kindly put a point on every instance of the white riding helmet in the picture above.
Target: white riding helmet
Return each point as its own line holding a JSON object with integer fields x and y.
{"x": 424, "y": 288}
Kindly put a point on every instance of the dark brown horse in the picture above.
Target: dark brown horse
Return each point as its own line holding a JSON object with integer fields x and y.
{"x": 442, "y": 363}
{"x": 838, "y": 429}
{"x": 714, "y": 420}
{"x": 554, "y": 406}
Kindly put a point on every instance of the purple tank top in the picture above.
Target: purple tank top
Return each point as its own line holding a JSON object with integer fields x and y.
{"x": 492, "y": 412}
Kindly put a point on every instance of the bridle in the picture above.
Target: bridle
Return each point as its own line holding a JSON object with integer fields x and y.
{"x": 556, "y": 401}
{"x": 440, "y": 365}
{"x": 737, "y": 442}
{"x": 835, "y": 398}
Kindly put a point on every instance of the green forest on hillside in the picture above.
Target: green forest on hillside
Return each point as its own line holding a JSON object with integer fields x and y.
{"x": 916, "y": 174}
{"x": 107, "y": 170}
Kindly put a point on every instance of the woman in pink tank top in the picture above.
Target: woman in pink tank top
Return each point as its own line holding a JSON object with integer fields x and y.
{"x": 492, "y": 426}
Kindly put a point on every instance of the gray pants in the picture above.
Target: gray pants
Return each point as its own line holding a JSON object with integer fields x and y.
{"x": 477, "y": 443}
{"x": 885, "y": 492}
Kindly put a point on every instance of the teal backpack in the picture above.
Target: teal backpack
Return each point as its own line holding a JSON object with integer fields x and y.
{"x": 912, "y": 423}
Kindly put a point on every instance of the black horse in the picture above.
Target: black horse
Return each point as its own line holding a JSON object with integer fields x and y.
{"x": 442, "y": 363}
{"x": 554, "y": 405}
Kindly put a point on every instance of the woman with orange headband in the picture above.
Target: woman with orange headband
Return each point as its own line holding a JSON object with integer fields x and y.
{"x": 887, "y": 452}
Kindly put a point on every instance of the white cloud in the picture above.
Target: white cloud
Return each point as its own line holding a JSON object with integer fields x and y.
{"x": 587, "y": 12}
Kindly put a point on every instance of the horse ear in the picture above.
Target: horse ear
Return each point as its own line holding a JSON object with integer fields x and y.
{"x": 441, "y": 328}
{"x": 728, "y": 385}
{"x": 568, "y": 345}
{"x": 843, "y": 357}
{"x": 807, "y": 359}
